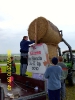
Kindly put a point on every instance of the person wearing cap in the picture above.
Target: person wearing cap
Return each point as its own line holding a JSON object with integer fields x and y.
{"x": 63, "y": 78}
{"x": 24, "y": 47}
{"x": 53, "y": 74}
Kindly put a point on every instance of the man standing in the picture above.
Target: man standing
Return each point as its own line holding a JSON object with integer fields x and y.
{"x": 64, "y": 76}
{"x": 24, "y": 46}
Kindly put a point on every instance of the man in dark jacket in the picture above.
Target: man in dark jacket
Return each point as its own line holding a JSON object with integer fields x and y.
{"x": 24, "y": 47}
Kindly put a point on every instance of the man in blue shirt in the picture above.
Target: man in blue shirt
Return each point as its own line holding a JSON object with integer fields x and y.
{"x": 24, "y": 47}
{"x": 53, "y": 74}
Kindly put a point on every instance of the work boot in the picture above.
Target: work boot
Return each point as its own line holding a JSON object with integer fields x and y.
{"x": 25, "y": 75}
{"x": 20, "y": 74}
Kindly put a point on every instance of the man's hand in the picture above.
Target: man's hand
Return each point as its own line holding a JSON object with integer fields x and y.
{"x": 45, "y": 63}
{"x": 47, "y": 60}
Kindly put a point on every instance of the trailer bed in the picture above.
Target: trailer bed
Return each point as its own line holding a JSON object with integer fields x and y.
{"x": 23, "y": 88}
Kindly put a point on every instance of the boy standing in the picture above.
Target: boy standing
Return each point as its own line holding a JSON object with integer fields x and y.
{"x": 53, "y": 74}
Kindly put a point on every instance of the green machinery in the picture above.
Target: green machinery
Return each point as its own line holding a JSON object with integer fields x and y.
{"x": 69, "y": 60}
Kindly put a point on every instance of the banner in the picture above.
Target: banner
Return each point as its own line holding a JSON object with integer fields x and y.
{"x": 38, "y": 58}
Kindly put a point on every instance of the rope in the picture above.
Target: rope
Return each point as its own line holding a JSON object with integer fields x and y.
{"x": 19, "y": 86}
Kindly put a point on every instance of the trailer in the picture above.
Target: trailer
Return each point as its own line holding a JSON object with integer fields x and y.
{"x": 23, "y": 88}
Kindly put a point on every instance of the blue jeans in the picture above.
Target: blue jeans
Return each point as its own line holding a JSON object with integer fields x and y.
{"x": 23, "y": 68}
{"x": 63, "y": 90}
{"x": 54, "y": 94}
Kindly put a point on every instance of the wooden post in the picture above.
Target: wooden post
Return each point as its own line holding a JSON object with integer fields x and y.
{"x": 35, "y": 32}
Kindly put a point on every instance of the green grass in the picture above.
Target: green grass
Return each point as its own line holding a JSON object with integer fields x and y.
{"x": 70, "y": 90}
{"x": 17, "y": 70}
{"x": 4, "y": 62}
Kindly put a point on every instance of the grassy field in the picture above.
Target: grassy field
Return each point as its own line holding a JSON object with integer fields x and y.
{"x": 4, "y": 62}
{"x": 17, "y": 70}
{"x": 70, "y": 90}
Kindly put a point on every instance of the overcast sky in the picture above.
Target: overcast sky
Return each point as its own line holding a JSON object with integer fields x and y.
{"x": 16, "y": 15}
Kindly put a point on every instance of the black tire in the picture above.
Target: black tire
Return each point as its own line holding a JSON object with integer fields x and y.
{"x": 71, "y": 78}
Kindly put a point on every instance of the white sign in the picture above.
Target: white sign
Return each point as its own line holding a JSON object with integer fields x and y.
{"x": 38, "y": 58}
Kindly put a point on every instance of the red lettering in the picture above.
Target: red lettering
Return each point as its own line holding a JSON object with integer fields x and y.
{"x": 35, "y": 53}
{"x": 39, "y": 52}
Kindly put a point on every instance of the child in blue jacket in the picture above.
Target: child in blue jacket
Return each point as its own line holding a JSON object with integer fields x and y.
{"x": 53, "y": 74}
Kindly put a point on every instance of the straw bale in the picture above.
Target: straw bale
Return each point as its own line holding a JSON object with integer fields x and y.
{"x": 52, "y": 50}
{"x": 47, "y": 32}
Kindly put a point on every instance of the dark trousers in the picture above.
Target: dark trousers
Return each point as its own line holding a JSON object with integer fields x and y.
{"x": 24, "y": 63}
{"x": 54, "y": 94}
{"x": 63, "y": 90}
{"x": 24, "y": 58}
{"x": 2, "y": 95}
